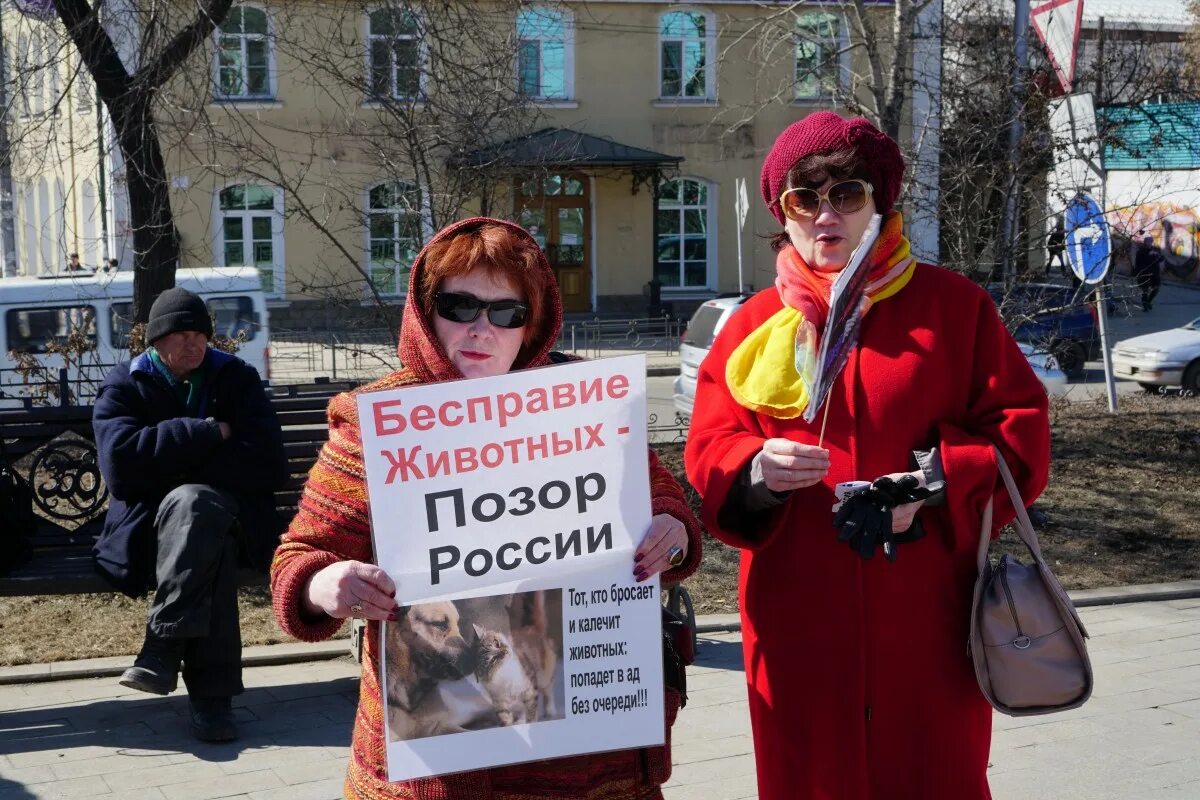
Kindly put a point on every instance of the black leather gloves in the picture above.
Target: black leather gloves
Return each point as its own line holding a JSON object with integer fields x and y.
{"x": 865, "y": 520}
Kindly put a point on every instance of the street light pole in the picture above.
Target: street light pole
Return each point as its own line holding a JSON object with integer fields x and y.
{"x": 1009, "y": 226}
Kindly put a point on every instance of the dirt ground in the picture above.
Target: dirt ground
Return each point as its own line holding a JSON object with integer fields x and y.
{"x": 1121, "y": 508}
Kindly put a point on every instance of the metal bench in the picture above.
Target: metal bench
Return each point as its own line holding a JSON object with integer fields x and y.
{"x": 54, "y": 449}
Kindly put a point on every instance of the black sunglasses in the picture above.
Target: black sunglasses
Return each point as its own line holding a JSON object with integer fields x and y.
{"x": 465, "y": 308}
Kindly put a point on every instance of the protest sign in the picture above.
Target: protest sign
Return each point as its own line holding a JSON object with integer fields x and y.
{"x": 507, "y": 510}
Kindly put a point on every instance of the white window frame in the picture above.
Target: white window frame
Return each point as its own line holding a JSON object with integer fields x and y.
{"x": 426, "y": 220}
{"x": 215, "y": 69}
{"x": 710, "y": 210}
{"x": 710, "y": 54}
{"x": 422, "y": 58}
{"x": 278, "y": 262}
{"x": 567, "y": 19}
{"x": 841, "y": 64}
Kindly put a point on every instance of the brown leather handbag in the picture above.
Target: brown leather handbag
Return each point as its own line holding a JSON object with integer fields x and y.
{"x": 1027, "y": 640}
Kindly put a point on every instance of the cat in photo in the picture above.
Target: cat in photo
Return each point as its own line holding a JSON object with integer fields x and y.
{"x": 500, "y": 673}
{"x": 536, "y": 651}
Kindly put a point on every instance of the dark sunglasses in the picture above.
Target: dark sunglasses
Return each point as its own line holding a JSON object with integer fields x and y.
{"x": 465, "y": 308}
{"x": 844, "y": 197}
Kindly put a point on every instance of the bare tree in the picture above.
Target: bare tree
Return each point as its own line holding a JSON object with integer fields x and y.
{"x": 405, "y": 97}
{"x": 128, "y": 88}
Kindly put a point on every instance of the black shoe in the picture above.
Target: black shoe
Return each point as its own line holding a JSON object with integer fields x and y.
{"x": 156, "y": 669}
{"x": 212, "y": 719}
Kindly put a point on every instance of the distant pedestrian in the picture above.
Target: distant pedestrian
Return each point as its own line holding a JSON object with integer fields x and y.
{"x": 73, "y": 264}
{"x": 1147, "y": 265}
{"x": 1056, "y": 248}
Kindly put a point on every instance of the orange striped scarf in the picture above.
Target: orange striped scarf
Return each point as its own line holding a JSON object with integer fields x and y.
{"x": 773, "y": 370}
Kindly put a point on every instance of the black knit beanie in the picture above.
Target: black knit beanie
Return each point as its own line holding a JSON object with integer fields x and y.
{"x": 178, "y": 310}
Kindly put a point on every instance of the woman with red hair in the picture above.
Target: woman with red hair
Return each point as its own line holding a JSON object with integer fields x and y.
{"x": 860, "y": 684}
{"x": 482, "y": 301}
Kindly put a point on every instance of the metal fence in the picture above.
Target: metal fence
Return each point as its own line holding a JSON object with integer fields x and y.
{"x": 51, "y": 386}
{"x": 365, "y": 354}
{"x": 301, "y": 356}
{"x": 598, "y": 337}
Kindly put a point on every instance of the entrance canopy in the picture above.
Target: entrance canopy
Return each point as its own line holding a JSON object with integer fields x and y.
{"x": 559, "y": 148}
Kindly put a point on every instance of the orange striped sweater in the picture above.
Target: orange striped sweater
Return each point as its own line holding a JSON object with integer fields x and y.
{"x": 332, "y": 525}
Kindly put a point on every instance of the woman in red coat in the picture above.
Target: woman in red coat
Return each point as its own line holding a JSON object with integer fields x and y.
{"x": 860, "y": 683}
{"x": 482, "y": 301}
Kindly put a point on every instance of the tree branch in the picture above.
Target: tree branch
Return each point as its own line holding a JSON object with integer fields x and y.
{"x": 183, "y": 44}
{"x": 95, "y": 47}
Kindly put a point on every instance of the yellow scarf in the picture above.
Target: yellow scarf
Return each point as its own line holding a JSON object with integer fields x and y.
{"x": 771, "y": 371}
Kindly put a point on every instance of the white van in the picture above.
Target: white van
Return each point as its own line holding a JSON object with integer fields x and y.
{"x": 99, "y": 306}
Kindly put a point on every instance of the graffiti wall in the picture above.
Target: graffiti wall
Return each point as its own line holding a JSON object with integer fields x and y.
{"x": 1164, "y": 206}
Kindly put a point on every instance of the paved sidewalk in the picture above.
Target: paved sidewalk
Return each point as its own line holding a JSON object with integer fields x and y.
{"x": 1138, "y": 738}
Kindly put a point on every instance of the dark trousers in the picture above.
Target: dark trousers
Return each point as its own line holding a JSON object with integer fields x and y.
{"x": 196, "y": 595}
{"x": 1149, "y": 292}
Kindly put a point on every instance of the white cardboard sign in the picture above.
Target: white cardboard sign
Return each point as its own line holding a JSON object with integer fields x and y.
{"x": 507, "y": 510}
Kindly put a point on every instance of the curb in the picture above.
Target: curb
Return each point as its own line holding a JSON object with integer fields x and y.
{"x": 301, "y": 652}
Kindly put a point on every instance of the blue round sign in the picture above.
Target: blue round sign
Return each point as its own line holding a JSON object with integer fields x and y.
{"x": 1089, "y": 246}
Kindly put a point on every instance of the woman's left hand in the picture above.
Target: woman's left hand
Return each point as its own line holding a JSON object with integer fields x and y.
{"x": 654, "y": 553}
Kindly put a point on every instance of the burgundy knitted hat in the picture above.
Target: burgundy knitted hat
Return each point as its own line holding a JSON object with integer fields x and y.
{"x": 825, "y": 132}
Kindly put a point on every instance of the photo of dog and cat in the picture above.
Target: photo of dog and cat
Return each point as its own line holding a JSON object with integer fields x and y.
{"x": 473, "y": 664}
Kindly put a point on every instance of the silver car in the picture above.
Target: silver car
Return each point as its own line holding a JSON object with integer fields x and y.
{"x": 701, "y": 330}
{"x": 710, "y": 317}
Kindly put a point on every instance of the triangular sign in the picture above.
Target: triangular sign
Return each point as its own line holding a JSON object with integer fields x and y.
{"x": 1056, "y": 23}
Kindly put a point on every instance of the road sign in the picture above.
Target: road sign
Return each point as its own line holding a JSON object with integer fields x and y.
{"x": 1076, "y": 141}
{"x": 741, "y": 204}
{"x": 1056, "y": 23}
{"x": 741, "y": 207}
{"x": 1089, "y": 246}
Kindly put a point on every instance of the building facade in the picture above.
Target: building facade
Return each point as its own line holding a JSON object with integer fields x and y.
{"x": 323, "y": 142}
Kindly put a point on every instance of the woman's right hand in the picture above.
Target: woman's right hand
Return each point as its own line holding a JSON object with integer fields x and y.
{"x": 342, "y": 589}
{"x": 788, "y": 465}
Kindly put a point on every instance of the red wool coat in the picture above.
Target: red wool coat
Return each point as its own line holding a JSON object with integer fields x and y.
{"x": 860, "y": 684}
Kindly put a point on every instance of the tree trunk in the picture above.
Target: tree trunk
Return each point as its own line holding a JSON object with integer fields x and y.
{"x": 155, "y": 242}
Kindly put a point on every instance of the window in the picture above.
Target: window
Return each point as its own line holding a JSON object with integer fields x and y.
{"x": 818, "y": 56}
{"x": 251, "y": 232}
{"x": 545, "y": 54}
{"x": 684, "y": 236}
{"x": 685, "y": 61}
{"x": 232, "y": 317}
{"x": 393, "y": 234}
{"x": 31, "y": 330}
{"x": 394, "y": 54}
{"x": 244, "y": 55}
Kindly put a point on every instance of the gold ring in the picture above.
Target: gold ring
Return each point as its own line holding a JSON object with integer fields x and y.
{"x": 675, "y": 556}
{"x": 356, "y": 610}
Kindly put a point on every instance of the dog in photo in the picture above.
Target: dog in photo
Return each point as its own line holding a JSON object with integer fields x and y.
{"x": 423, "y": 648}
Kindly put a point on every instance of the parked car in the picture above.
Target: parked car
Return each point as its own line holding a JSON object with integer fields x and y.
{"x": 98, "y": 308}
{"x": 697, "y": 338}
{"x": 710, "y": 317}
{"x": 1045, "y": 366}
{"x": 1166, "y": 358}
{"x": 1057, "y": 319}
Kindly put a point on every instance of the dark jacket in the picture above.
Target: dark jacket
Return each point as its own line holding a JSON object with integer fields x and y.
{"x": 147, "y": 446}
{"x": 1146, "y": 266}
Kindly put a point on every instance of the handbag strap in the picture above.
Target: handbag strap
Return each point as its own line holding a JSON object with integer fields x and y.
{"x": 1024, "y": 526}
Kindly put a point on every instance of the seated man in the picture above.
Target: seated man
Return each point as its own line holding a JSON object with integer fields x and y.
{"x": 192, "y": 452}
